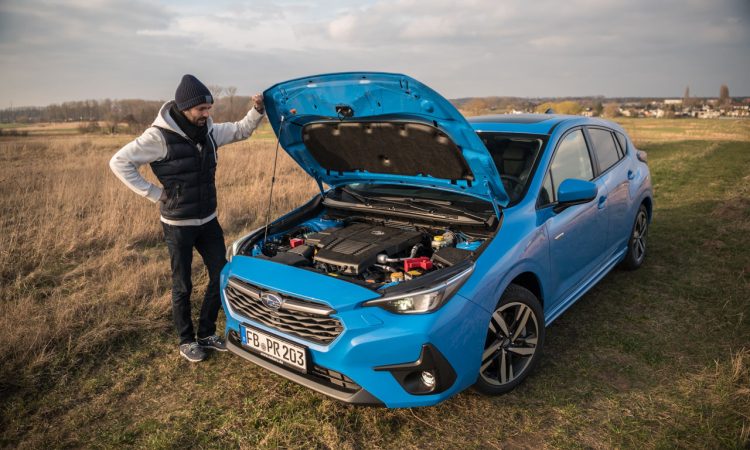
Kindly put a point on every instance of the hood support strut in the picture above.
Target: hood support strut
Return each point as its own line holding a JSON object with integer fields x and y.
{"x": 273, "y": 181}
{"x": 493, "y": 199}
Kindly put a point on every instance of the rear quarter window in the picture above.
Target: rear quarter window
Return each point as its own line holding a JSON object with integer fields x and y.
{"x": 623, "y": 141}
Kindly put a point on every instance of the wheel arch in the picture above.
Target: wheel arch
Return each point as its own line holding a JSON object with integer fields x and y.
{"x": 649, "y": 204}
{"x": 530, "y": 281}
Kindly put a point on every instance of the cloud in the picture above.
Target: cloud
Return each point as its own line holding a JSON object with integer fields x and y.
{"x": 54, "y": 51}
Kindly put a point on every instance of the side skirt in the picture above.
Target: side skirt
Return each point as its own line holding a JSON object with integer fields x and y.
{"x": 584, "y": 287}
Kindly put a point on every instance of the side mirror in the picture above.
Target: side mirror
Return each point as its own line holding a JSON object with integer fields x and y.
{"x": 574, "y": 192}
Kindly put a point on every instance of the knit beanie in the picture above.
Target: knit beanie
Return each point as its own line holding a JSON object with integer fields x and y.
{"x": 191, "y": 92}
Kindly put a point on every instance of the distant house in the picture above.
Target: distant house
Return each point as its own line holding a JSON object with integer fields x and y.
{"x": 672, "y": 101}
{"x": 657, "y": 113}
{"x": 709, "y": 114}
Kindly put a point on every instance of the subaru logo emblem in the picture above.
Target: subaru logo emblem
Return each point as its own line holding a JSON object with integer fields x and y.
{"x": 272, "y": 301}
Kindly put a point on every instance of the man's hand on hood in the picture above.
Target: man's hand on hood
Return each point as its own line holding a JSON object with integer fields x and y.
{"x": 258, "y": 103}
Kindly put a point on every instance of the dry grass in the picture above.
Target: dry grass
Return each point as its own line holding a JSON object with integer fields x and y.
{"x": 644, "y": 131}
{"x": 80, "y": 262}
{"x": 656, "y": 358}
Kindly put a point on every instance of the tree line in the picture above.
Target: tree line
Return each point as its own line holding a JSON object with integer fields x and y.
{"x": 117, "y": 116}
{"x": 135, "y": 115}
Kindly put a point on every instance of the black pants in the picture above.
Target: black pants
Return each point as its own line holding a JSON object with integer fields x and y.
{"x": 208, "y": 239}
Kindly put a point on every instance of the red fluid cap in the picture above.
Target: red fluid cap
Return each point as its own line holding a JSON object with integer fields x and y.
{"x": 294, "y": 242}
{"x": 423, "y": 262}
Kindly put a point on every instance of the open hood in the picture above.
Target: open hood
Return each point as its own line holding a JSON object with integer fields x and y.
{"x": 363, "y": 127}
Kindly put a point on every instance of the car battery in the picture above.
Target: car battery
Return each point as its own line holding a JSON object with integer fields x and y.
{"x": 422, "y": 262}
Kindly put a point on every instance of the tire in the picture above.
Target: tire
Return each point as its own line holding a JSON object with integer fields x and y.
{"x": 637, "y": 242}
{"x": 515, "y": 338}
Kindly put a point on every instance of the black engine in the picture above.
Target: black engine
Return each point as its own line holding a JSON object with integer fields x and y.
{"x": 355, "y": 248}
{"x": 369, "y": 253}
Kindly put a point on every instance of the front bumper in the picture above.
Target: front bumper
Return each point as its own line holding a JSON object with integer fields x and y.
{"x": 374, "y": 360}
{"x": 319, "y": 384}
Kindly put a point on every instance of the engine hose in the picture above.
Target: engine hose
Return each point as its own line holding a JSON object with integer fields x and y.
{"x": 386, "y": 268}
{"x": 384, "y": 259}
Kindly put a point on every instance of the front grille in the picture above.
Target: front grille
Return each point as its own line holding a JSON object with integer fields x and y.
{"x": 302, "y": 318}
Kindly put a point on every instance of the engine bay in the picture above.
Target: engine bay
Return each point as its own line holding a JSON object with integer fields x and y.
{"x": 374, "y": 253}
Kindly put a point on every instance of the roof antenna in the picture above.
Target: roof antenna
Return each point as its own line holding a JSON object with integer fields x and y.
{"x": 273, "y": 180}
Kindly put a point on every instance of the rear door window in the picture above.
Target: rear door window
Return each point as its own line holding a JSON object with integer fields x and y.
{"x": 604, "y": 148}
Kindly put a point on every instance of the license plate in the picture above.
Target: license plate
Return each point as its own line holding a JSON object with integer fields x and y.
{"x": 279, "y": 350}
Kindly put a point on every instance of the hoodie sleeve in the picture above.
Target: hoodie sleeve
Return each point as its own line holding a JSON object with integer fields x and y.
{"x": 226, "y": 133}
{"x": 146, "y": 148}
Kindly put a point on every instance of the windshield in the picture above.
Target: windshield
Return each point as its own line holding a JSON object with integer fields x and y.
{"x": 515, "y": 156}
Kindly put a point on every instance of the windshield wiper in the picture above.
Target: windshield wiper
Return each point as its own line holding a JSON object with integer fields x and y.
{"x": 413, "y": 202}
{"x": 442, "y": 204}
{"x": 367, "y": 200}
{"x": 446, "y": 204}
{"x": 361, "y": 198}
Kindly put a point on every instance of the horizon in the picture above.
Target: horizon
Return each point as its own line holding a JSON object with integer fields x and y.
{"x": 454, "y": 99}
{"x": 79, "y": 50}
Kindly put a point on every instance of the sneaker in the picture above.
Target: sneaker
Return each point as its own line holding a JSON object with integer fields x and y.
{"x": 192, "y": 352}
{"x": 213, "y": 343}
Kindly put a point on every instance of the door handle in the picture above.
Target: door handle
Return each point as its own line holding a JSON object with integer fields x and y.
{"x": 602, "y": 201}
{"x": 631, "y": 175}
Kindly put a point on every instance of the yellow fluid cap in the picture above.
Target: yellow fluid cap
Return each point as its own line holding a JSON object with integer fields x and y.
{"x": 439, "y": 237}
{"x": 414, "y": 273}
{"x": 397, "y": 276}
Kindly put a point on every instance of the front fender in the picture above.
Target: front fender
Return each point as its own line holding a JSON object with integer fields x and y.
{"x": 499, "y": 265}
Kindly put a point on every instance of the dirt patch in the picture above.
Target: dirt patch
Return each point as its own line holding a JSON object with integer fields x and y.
{"x": 714, "y": 244}
{"x": 736, "y": 209}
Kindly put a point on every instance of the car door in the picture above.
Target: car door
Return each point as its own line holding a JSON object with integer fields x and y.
{"x": 615, "y": 172}
{"x": 577, "y": 234}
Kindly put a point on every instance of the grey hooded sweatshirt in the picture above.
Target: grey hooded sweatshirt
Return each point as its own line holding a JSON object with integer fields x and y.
{"x": 150, "y": 147}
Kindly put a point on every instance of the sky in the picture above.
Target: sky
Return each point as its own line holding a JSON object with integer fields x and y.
{"x": 54, "y": 51}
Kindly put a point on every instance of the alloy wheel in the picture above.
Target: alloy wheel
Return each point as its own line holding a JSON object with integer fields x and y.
{"x": 638, "y": 241}
{"x": 511, "y": 343}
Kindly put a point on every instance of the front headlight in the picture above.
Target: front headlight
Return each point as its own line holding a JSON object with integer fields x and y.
{"x": 235, "y": 247}
{"x": 232, "y": 249}
{"x": 423, "y": 300}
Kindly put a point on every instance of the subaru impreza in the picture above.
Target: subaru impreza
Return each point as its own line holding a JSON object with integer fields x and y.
{"x": 438, "y": 248}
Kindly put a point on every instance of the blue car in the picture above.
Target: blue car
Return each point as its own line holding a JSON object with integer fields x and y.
{"x": 439, "y": 247}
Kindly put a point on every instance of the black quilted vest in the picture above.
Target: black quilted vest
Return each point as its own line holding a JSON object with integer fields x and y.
{"x": 188, "y": 176}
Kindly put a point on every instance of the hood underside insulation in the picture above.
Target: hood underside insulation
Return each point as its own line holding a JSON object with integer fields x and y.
{"x": 396, "y": 148}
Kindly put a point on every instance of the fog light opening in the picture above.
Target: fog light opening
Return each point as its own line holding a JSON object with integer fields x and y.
{"x": 428, "y": 379}
{"x": 429, "y": 375}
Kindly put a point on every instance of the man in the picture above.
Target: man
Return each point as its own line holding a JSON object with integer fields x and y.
{"x": 181, "y": 147}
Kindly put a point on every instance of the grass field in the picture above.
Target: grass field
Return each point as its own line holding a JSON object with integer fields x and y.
{"x": 657, "y": 358}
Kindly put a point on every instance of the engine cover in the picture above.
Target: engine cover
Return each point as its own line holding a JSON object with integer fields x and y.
{"x": 356, "y": 247}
